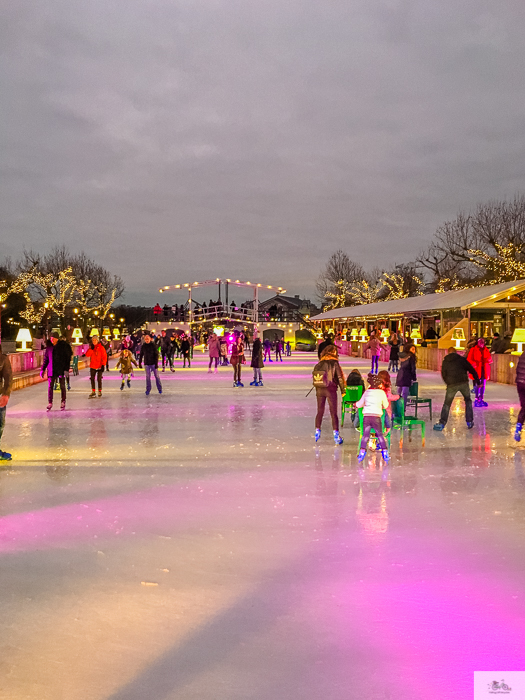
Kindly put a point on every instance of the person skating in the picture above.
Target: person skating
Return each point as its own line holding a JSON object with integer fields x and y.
{"x": 455, "y": 370}
{"x": 481, "y": 359}
{"x": 288, "y": 349}
{"x": 214, "y": 352}
{"x": 327, "y": 377}
{"x": 149, "y": 356}
{"x": 185, "y": 348}
{"x": 373, "y": 402}
{"x": 97, "y": 361}
{"x": 278, "y": 349}
{"x": 257, "y": 362}
{"x": 329, "y": 340}
{"x": 267, "y": 345}
{"x": 406, "y": 375}
{"x": 6, "y": 383}
{"x": 374, "y": 345}
{"x": 57, "y": 361}
{"x": 520, "y": 386}
{"x": 237, "y": 360}
{"x": 126, "y": 362}
{"x": 165, "y": 350}
{"x": 393, "y": 362}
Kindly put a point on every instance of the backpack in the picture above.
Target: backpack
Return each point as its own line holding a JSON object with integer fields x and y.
{"x": 322, "y": 375}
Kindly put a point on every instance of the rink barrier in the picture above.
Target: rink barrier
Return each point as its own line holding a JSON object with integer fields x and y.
{"x": 502, "y": 370}
{"x": 26, "y": 365}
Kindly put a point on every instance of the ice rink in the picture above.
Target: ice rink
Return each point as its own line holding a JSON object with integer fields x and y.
{"x": 196, "y": 545}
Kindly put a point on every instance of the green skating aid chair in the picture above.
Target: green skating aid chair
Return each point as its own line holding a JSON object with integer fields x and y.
{"x": 349, "y": 400}
{"x": 414, "y": 400}
{"x": 401, "y": 422}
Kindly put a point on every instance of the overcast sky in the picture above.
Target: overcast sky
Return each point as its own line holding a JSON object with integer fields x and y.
{"x": 178, "y": 140}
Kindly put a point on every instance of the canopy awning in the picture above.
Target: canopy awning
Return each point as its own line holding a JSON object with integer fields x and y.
{"x": 460, "y": 299}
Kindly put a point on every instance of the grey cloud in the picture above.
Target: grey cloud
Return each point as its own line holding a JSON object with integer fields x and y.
{"x": 220, "y": 137}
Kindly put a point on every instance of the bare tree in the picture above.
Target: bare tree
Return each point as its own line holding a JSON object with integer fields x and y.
{"x": 339, "y": 271}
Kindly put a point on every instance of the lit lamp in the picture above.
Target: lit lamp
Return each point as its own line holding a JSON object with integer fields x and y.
{"x": 385, "y": 333}
{"x": 94, "y": 331}
{"x": 458, "y": 335}
{"x": 415, "y": 335}
{"x": 518, "y": 337}
{"x": 116, "y": 333}
{"x": 77, "y": 335}
{"x": 24, "y": 337}
{"x": 364, "y": 335}
{"x": 106, "y": 332}
{"x": 354, "y": 333}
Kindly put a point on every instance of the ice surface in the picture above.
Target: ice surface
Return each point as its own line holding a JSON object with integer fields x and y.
{"x": 196, "y": 545}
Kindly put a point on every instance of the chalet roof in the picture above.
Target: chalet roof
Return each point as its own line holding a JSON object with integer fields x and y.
{"x": 460, "y": 299}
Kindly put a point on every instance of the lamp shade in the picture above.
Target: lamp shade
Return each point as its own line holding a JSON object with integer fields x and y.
{"x": 354, "y": 332}
{"x": 77, "y": 333}
{"x": 458, "y": 334}
{"x": 94, "y": 331}
{"x": 517, "y": 337}
{"x": 415, "y": 334}
{"x": 24, "y": 335}
{"x": 385, "y": 333}
{"x": 106, "y": 330}
{"x": 116, "y": 332}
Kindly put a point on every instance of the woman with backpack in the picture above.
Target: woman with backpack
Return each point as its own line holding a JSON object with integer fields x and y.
{"x": 327, "y": 376}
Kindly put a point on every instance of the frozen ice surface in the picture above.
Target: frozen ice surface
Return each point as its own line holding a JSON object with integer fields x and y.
{"x": 197, "y": 546}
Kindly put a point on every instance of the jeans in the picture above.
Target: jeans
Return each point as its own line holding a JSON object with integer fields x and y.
{"x": 51, "y": 383}
{"x": 237, "y": 372}
{"x": 212, "y": 360}
{"x": 404, "y": 392}
{"x": 167, "y": 357}
{"x": 373, "y": 423}
{"x": 268, "y": 355}
{"x": 375, "y": 364}
{"x": 521, "y": 394}
{"x": 480, "y": 389}
{"x": 393, "y": 366}
{"x": 322, "y": 396}
{"x": 2, "y": 420}
{"x": 98, "y": 374}
{"x": 452, "y": 390}
{"x": 152, "y": 369}
{"x": 257, "y": 374}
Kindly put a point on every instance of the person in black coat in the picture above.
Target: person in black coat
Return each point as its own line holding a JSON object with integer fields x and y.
{"x": 328, "y": 341}
{"x": 57, "y": 361}
{"x": 455, "y": 370}
{"x": 149, "y": 355}
{"x": 407, "y": 371}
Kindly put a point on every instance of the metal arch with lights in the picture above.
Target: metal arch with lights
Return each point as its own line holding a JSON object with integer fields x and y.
{"x": 256, "y": 286}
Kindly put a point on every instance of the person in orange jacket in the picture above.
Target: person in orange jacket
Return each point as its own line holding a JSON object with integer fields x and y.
{"x": 480, "y": 358}
{"x": 97, "y": 361}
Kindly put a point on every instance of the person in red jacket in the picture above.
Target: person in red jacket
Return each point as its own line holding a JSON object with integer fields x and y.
{"x": 97, "y": 362}
{"x": 481, "y": 359}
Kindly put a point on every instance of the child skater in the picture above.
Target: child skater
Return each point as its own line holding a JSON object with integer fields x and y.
{"x": 373, "y": 402}
{"x": 126, "y": 360}
{"x": 257, "y": 362}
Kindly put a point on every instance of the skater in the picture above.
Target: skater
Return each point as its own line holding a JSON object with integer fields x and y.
{"x": 455, "y": 370}
{"x": 373, "y": 402}
{"x": 374, "y": 345}
{"x": 355, "y": 378}
{"x": 214, "y": 352}
{"x": 278, "y": 349}
{"x": 520, "y": 386}
{"x": 407, "y": 371}
{"x": 288, "y": 349}
{"x": 257, "y": 362}
{"x": 267, "y": 344}
{"x": 224, "y": 351}
{"x": 107, "y": 347}
{"x": 327, "y": 376}
{"x": 237, "y": 360}
{"x": 6, "y": 383}
{"x": 481, "y": 359}
{"x": 393, "y": 363}
{"x": 149, "y": 355}
{"x": 97, "y": 362}
{"x": 165, "y": 350}
{"x": 329, "y": 340}
{"x": 57, "y": 360}
{"x": 126, "y": 360}
{"x": 185, "y": 348}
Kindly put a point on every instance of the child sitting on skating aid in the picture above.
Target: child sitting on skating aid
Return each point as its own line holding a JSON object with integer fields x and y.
{"x": 373, "y": 402}
{"x": 126, "y": 360}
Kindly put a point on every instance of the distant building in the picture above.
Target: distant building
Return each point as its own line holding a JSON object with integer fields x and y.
{"x": 281, "y": 307}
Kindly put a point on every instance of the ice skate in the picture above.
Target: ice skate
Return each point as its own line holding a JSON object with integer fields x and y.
{"x": 259, "y": 384}
{"x": 63, "y": 405}
{"x": 470, "y": 424}
{"x": 337, "y": 438}
{"x": 385, "y": 455}
{"x": 49, "y": 406}
{"x": 254, "y": 383}
{"x": 361, "y": 455}
{"x": 99, "y": 394}
{"x": 129, "y": 383}
{"x": 483, "y": 403}
{"x": 92, "y": 395}
{"x": 122, "y": 386}
{"x": 317, "y": 434}
{"x": 5, "y": 456}
{"x": 438, "y": 426}
{"x": 517, "y": 432}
